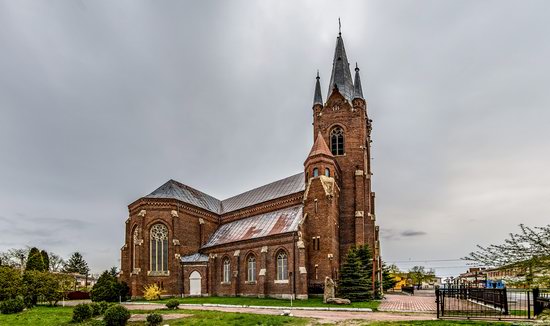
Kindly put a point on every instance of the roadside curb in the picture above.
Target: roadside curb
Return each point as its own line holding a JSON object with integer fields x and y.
{"x": 257, "y": 307}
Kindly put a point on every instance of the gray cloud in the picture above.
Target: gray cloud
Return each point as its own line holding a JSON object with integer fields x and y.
{"x": 102, "y": 101}
{"x": 411, "y": 233}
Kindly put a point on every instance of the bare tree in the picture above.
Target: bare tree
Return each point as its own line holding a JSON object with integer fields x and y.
{"x": 18, "y": 257}
{"x": 529, "y": 248}
{"x": 56, "y": 262}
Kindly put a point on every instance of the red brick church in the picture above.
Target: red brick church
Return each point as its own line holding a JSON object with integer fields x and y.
{"x": 278, "y": 240}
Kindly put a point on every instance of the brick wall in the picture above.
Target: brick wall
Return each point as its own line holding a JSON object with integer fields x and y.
{"x": 185, "y": 228}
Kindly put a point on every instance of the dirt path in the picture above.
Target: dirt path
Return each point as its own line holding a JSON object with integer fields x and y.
{"x": 321, "y": 316}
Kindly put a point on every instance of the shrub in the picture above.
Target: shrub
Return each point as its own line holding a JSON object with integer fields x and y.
{"x": 50, "y": 287}
{"x": 10, "y": 283}
{"x": 172, "y": 304}
{"x": 12, "y": 306}
{"x": 116, "y": 315}
{"x": 152, "y": 292}
{"x": 109, "y": 289}
{"x": 96, "y": 309}
{"x": 154, "y": 319}
{"x": 82, "y": 312}
{"x": 103, "y": 306}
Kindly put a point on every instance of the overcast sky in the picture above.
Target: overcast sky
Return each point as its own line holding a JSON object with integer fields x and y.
{"x": 101, "y": 102}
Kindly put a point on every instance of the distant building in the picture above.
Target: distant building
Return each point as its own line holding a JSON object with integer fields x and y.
{"x": 281, "y": 239}
{"x": 474, "y": 277}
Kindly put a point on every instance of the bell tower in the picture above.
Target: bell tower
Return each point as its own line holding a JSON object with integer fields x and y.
{"x": 343, "y": 123}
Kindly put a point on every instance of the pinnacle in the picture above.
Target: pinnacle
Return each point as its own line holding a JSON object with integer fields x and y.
{"x": 320, "y": 147}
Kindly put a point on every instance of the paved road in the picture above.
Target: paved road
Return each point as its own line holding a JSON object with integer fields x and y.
{"x": 408, "y": 303}
{"x": 321, "y": 316}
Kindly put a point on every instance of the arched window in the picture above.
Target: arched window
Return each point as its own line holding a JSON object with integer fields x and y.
{"x": 337, "y": 141}
{"x": 135, "y": 239}
{"x": 282, "y": 266}
{"x": 315, "y": 172}
{"x": 226, "y": 270}
{"x": 159, "y": 249}
{"x": 251, "y": 270}
{"x": 327, "y": 172}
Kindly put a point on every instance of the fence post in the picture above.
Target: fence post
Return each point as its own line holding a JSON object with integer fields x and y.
{"x": 437, "y": 300}
{"x": 536, "y": 306}
{"x": 528, "y": 305}
{"x": 504, "y": 301}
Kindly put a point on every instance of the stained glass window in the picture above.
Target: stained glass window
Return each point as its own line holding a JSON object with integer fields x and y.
{"x": 159, "y": 248}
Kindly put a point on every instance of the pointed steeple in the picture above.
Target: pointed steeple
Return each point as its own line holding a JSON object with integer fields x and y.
{"x": 320, "y": 147}
{"x": 341, "y": 74}
{"x": 357, "y": 88}
{"x": 317, "y": 97}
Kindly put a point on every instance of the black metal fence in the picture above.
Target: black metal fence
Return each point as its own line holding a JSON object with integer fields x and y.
{"x": 541, "y": 300}
{"x": 408, "y": 289}
{"x": 469, "y": 302}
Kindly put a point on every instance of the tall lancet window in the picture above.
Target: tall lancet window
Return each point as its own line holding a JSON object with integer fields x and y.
{"x": 282, "y": 266}
{"x": 251, "y": 275}
{"x": 159, "y": 249}
{"x": 337, "y": 141}
{"x": 135, "y": 239}
{"x": 226, "y": 271}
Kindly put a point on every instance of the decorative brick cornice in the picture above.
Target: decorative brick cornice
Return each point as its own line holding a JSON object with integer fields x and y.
{"x": 174, "y": 205}
{"x": 271, "y": 205}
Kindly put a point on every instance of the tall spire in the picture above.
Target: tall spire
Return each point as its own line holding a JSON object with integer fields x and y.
{"x": 357, "y": 88}
{"x": 317, "y": 97}
{"x": 341, "y": 75}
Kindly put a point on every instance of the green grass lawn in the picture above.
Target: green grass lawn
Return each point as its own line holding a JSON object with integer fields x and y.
{"x": 61, "y": 316}
{"x": 246, "y": 301}
{"x": 438, "y": 323}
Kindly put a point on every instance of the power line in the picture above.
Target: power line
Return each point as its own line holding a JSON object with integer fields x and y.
{"x": 422, "y": 261}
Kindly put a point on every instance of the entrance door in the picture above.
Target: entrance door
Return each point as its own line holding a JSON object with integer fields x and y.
{"x": 195, "y": 283}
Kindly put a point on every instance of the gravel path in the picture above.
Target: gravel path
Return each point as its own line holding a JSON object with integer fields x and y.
{"x": 321, "y": 316}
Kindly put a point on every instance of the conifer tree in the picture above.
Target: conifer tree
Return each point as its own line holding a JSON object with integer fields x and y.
{"x": 353, "y": 283}
{"x": 45, "y": 260}
{"x": 35, "y": 261}
{"x": 365, "y": 256}
{"x": 76, "y": 264}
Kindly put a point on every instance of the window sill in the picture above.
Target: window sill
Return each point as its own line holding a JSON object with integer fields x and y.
{"x": 281, "y": 281}
{"x": 250, "y": 282}
{"x": 163, "y": 273}
{"x": 225, "y": 283}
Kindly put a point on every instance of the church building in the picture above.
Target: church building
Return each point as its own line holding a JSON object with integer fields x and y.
{"x": 278, "y": 240}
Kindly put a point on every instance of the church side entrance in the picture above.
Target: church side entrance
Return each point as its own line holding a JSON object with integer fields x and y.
{"x": 195, "y": 283}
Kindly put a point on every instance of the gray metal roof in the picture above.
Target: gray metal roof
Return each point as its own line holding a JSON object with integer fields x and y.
{"x": 357, "y": 88}
{"x": 176, "y": 190}
{"x": 341, "y": 75}
{"x": 280, "y": 188}
{"x": 194, "y": 258}
{"x": 317, "y": 96}
{"x": 271, "y": 223}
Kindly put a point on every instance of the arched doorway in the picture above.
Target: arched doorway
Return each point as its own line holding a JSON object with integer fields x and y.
{"x": 195, "y": 283}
